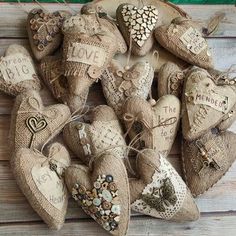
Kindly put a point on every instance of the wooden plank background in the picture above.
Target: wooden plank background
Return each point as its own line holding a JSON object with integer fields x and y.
{"x": 218, "y": 205}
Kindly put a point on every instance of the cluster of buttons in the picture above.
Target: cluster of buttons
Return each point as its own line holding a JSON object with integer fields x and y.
{"x": 44, "y": 27}
{"x": 175, "y": 83}
{"x": 102, "y": 203}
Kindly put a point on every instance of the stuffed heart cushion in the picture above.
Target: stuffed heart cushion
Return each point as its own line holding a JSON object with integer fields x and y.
{"x": 103, "y": 192}
{"x": 40, "y": 179}
{"x": 17, "y": 71}
{"x": 32, "y": 124}
{"x": 154, "y": 124}
{"x": 159, "y": 191}
{"x": 119, "y": 84}
{"x": 205, "y": 104}
{"x": 207, "y": 159}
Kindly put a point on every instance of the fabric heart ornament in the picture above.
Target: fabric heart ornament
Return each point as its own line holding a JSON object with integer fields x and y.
{"x": 160, "y": 191}
{"x": 205, "y": 104}
{"x": 103, "y": 134}
{"x": 40, "y": 179}
{"x": 53, "y": 76}
{"x": 88, "y": 48}
{"x": 207, "y": 159}
{"x": 103, "y": 192}
{"x": 17, "y": 71}
{"x": 44, "y": 31}
{"x": 32, "y": 124}
{"x": 137, "y": 26}
{"x": 170, "y": 80}
{"x": 119, "y": 84}
{"x": 152, "y": 124}
{"x": 221, "y": 78}
{"x": 182, "y": 38}
{"x": 107, "y": 21}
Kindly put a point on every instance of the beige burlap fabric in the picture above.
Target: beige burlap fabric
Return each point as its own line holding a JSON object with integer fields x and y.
{"x": 38, "y": 177}
{"x": 17, "y": 71}
{"x": 104, "y": 133}
{"x": 182, "y": 38}
{"x": 44, "y": 31}
{"x": 137, "y": 26}
{"x": 159, "y": 191}
{"x": 170, "y": 80}
{"x": 205, "y": 104}
{"x": 207, "y": 159}
{"x": 53, "y": 76}
{"x": 88, "y": 48}
{"x": 119, "y": 84}
{"x": 106, "y": 188}
{"x": 32, "y": 124}
{"x": 153, "y": 124}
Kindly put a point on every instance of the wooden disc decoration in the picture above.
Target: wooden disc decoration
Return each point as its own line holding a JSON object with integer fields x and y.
{"x": 167, "y": 12}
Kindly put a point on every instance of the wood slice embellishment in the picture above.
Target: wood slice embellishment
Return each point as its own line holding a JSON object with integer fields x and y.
{"x": 140, "y": 22}
{"x": 101, "y": 203}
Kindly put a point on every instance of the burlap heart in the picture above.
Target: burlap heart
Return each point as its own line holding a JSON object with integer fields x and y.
{"x": 103, "y": 193}
{"x": 88, "y": 48}
{"x": 182, "y": 38}
{"x": 17, "y": 71}
{"x": 137, "y": 26}
{"x": 44, "y": 31}
{"x": 32, "y": 124}
{"x": 160, "y": 192}
{"x": 108, "y": 22}
{"x": 154, "y": 125}
{"x": 53, "y": 76}
{"x": 170, "y": 80}
{"x": 40, "y": 179}
{"x": 103, "y": 134}
{"x": 205, "y": 104}
{"x": 207, "y": 159}
{"x": 119, "y": 84}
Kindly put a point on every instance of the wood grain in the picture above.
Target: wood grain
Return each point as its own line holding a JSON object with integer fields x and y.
{"x": 218, "y": 205}
{"x": 14, "y": 27}
{"x": 208, "y": 225}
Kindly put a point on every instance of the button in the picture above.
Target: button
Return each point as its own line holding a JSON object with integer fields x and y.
{"x": 94, "y": 72}
{"x": 107, "y": 195}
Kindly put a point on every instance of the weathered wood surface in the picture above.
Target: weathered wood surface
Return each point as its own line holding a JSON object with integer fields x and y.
{"x": 14, "y": 27}
{"x": 218, "y": 205}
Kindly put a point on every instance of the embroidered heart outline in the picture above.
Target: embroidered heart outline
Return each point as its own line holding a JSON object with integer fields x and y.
{"x": 139, "y": 21}
{"x": 36, "y": 124}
